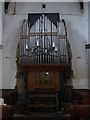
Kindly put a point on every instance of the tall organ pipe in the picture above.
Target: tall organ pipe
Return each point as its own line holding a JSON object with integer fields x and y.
{"x": 42, "y": 43}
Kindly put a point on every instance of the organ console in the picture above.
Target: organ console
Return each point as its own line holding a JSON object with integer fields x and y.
{"x": 43, "y": 62}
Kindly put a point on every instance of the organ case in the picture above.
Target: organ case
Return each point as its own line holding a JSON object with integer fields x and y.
{"x": 44, "y": 55}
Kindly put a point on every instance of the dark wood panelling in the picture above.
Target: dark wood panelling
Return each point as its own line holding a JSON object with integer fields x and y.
{"x": 80, "y": 111}
{"x": 9, "y": 96}
{"x": 36, "y": 80}
{"x": 81, "y": 96}
{"x": 44, "y": 67}
{"x": 7, "y": 112}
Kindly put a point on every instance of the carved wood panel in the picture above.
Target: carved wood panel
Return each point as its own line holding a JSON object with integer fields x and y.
{"x": 43, "y": 81}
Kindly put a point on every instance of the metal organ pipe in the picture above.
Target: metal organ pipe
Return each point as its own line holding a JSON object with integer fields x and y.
{"x": 43, "y": 42}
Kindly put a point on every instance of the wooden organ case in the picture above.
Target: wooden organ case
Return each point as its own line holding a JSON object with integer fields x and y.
{"x": 44, "y": 56}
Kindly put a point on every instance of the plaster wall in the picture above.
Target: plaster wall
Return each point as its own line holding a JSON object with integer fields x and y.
{"x": 77, "y": 24}
{"x": 88, "y": 51}
{"x": 0, "y": 43}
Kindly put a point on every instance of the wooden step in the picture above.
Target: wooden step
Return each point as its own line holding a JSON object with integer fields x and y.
{"x": 41, "y": 116}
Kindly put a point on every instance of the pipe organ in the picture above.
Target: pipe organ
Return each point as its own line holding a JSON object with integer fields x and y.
{"x": 44, "y": 59}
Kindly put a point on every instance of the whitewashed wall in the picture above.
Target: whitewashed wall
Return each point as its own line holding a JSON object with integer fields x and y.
{"x": 88, "y": 51}
{"x": 0, "y": 43}
{"x": 77, "y": 24}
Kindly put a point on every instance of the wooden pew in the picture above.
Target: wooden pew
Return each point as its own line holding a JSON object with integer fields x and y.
{"x": 6, "y": 111}
{"x": 9, "y": 96}
{"x": 80, "y": 112}
{"x": 81, "y": 97}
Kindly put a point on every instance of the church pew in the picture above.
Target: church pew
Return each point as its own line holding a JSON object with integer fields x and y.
{"x": 6, "y": 112}
{"x": 80, "y": 112}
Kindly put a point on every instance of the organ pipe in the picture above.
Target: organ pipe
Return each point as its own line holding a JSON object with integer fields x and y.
{"x": 43, "y": 41}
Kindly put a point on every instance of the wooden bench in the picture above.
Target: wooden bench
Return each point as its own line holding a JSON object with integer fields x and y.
{"x": 80, "y": 112}
{"x": 6, "y": 111}
{"x": 81, "y": 97}
{"x": 9, "y": 96}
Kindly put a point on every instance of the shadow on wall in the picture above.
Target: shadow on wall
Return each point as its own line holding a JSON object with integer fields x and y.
{"x": 89, "y": 42}
{"x": 10, "y": 40}
{"x": 79, "y": 56}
